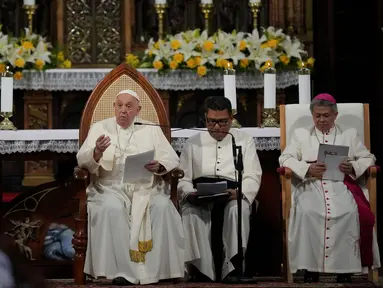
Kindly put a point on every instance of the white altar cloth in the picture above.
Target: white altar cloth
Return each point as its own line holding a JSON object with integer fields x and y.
{"x": 66, "y": 140}
{"x": 86, "y": 79}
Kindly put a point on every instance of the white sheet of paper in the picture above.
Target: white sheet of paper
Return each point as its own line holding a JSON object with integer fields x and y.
{"x": 332, "y": 167}
{"x": 328, "y": 149}
{"x": 134, "y": 167}
{"x": 211, "y": 188}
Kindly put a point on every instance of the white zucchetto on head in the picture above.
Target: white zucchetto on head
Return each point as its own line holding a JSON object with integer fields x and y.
{"x": 130, "y": 92}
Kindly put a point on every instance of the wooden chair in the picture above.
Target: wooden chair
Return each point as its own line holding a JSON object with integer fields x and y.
{"x": 99, "y": 107}
{"x": 298, "y": 116}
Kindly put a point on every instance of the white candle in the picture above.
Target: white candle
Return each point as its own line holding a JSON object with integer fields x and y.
{"x": 6, "y": 94}
{"x": 270, "y": 90}
{"x": 230, "y": 89}
{"x": 206, "y": 1}
{"x": 160, "y": 2}
{"x": 304, "y": 89}
{"x": 29, "y": 2}
{"x": 255, "y": 1}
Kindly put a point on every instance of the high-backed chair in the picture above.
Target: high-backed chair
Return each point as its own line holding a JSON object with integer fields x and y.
{"x": 299, "y": 116}
{"x": 99, "y": 107}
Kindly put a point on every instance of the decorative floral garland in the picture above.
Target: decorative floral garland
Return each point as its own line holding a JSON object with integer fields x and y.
{"x": 29, "y": 52}
{"x": 197, "y": 51}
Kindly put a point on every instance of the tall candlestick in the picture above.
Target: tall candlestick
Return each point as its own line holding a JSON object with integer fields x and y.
{"x": 206, "y": 7}
{"x": 270, "y": 98}
{"x": 160, "y": 6}
{"x": 6, "y": 93}
{"x": 30, "y": 8}
{"x": 304, "y": 85}
{"x": 255, "y": 6}
{"x": 230, "y": 90}
{"x": 6, "y": 100}
{"x": 270, "y": 88}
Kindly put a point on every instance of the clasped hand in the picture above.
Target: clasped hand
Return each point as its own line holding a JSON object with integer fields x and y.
{"x": 153, "y": 166}
{"x": 317, "y": 169}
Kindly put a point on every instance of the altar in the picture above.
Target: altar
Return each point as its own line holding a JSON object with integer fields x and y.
{"x": 66, "y": 140}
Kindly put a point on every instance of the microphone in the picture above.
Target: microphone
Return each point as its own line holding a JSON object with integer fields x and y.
{"x": 177, "y": 129}
{"x": 238, "y": 166}
{"x": 200, "y": 130}
{"x": 157, "y": 125}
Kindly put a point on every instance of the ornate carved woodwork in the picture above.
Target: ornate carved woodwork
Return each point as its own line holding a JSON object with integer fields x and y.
{"x": 41, "y": 224}
{"x": 93, "y": 30}
{"x": 38, "y": 115}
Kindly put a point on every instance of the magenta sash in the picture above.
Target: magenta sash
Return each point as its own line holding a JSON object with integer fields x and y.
{"x": 366, "y": 221}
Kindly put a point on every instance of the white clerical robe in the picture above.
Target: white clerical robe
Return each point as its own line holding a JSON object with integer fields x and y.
{"x": 203, "y": 156}
{"x": 110, "y": 204}
{"x": 324, "y": 224}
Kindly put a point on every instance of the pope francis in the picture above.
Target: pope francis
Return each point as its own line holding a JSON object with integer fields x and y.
{"x": 135, "y": 233}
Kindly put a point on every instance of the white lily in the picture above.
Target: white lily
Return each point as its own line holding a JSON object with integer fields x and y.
{"x": 188, "y": 50}
{"x": 165, "y": 52}
{"x": 191, "y": 35}
{"x": 275, "y": 33}
{"x": 177, "y": 36}
{"x": 236, "y": 37}
{"x": 5, "y": 47}
{"x": 253, "y": 39}
{"x": 293, "y": 48}
{"x": 204, "y": 37}
{"x": 222, "y": 41}
{"x": 151, "y": 47}
{"x": 11, "y": 58}
{"x": 29, "y": 37}
{"x": 209, "y": 57}
{"x": 42, "y": 53}
{"x": 234, "y": 53}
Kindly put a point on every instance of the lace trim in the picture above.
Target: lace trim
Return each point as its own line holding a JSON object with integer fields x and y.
{"x": 71, "y": 146}
{"x": 87, "y": 79}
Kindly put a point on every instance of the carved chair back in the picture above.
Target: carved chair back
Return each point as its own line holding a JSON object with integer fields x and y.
{"x": 350, "y": 115}
{"x": 100, "y": 102}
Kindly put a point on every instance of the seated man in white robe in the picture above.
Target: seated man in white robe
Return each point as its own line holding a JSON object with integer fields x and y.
{"x": 331, "y": 223}
{"x": 134, "y": 231}
{"x": 208, "y": 158}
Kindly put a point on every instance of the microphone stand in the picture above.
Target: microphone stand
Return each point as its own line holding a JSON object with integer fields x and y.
{"x": 238, "y": 164}
{"x": 239, "y": 278}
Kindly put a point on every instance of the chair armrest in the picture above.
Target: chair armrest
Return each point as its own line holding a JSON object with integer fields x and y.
{"x": 80, "y": 173}
{"x": 177, "y": 173}
{"x": 372, "y": 171}
{"x": 285, "y": 172}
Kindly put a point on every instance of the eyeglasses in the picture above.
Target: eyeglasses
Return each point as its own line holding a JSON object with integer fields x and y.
{"x": 220, "y": 122}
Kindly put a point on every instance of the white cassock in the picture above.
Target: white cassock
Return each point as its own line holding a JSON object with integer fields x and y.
{"x": 203, "y": 156}
{"x": 117, "y": 212}
{"x": 324, "y": 223}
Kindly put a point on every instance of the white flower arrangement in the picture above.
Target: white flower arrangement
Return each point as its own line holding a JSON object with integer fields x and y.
{"x": 243, "y": 51}
{"x": 28, "y": 52}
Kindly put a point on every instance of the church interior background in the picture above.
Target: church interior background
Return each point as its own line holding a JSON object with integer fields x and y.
{"x": 343, "y": 40}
